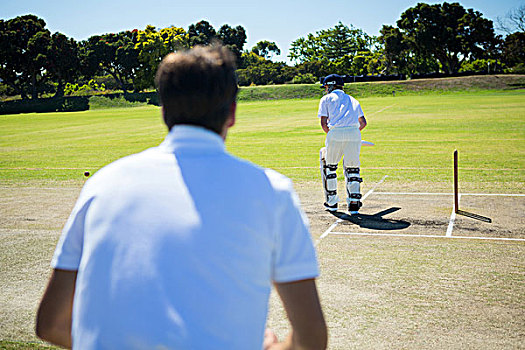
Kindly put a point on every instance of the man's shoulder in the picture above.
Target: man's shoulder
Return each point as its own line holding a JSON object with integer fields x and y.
{"x": 352, "y": 98}
{"x": 136, "y": 159}
{"x": 126, "y": 165}
{"x": 335, "y": 95}
{"x": 324, "y": 98}
{"x": 278, "y": 181}
{"x": 273, "y": 177}
{"x": 265, "y": 179}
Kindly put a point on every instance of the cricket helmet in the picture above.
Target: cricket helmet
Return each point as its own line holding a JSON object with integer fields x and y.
{"x": 333, "y": 80}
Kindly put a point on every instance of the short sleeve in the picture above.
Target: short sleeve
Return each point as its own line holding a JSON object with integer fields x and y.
{"x": 294, "y": 256}
{"x": 323, "y": 108}
{"x": 68, "y": 251}
{"x": 359, "y": 110}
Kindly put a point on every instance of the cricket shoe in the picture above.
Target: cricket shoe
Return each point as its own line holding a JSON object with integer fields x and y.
{"x": 353, "y": 208}
{"x": 330, "y": 207}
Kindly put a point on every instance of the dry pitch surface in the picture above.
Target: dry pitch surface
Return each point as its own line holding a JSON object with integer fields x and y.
{"x": 384, "y": 284}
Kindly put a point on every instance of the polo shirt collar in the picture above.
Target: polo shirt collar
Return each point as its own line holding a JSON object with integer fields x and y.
{"x": 192, "y": 136}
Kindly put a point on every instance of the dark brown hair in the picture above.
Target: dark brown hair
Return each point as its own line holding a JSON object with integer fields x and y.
{"x": 197, "y": 87}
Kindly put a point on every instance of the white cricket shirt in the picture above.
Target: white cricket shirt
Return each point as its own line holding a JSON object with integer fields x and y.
{"x": 341, "y": 109}
{"x": 177, "y": 248}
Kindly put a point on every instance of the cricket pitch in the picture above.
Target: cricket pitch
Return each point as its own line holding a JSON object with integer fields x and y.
{"x": 390, "y": 276}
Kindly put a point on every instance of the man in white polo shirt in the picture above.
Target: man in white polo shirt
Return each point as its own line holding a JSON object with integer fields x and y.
{"x": 342, "y": 119}
{"x": 178, "y": 247}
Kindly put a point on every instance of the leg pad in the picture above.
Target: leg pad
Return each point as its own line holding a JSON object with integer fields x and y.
{"x": 329, "y": 175}
{"x": 353, "y": 189}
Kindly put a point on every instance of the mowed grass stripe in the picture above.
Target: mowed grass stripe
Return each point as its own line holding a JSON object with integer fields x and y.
{"x": 77, "y": 140}
{"x": 414, "y": 136}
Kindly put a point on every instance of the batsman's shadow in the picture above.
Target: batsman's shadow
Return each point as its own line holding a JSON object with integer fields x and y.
{"x": 375, "y": 221}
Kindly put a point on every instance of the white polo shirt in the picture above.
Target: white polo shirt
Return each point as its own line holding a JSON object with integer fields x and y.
{"x": 341, "y": 109}
{"x": 177, "y": 248}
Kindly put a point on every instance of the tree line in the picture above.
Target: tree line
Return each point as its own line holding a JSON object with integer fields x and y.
{"x": 443, "y": 38}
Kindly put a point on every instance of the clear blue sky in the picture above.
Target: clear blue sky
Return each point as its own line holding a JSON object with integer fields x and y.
{"x": 280, "y": 21}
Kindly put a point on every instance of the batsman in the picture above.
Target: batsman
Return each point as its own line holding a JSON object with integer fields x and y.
{"x": 342, "y": 119}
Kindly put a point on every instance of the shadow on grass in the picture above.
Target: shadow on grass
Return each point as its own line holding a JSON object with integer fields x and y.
{"x": 474, "y": 216}
{"x": 375, "y": 221}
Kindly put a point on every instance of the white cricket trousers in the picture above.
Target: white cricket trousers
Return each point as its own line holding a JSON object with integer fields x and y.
{"x": 343, "y": 141}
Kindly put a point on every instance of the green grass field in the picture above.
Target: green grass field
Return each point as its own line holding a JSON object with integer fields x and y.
{"x": 414, "y": 135}
{"x": 377, "y": 292}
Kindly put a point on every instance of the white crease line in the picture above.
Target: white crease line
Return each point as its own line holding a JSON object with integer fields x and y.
{"x": 494, "y": 194}
{"x": 368, "y": 168}
{"x": 415, "y": 193}
{"x": 451, "y": 224}
{"x": 452, "y": 219}
{"x": 41, "y": 188}
{"x": 373, "y": 188}
{"x": 425, "y": 236}
{"x": 327, "y": 232}
{"x": 382, "y": 109}
{"x": 450, "y": 194}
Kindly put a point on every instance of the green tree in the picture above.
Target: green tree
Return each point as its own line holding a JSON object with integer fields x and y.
{"x": 342, "y": 49}
{"x": 332, "y": 44}
{"x": 343, "y": 40}
{"x": 360, "y": 64}
{"x": 63, "y": 64}
{"x": 514, "y": 49}
{"x": 38, "y": 50}
{"x": 233, "y": 38}
{"x": 306, "y": 49}
{"x": 201, "y": 33}
{"x": 398, "y": 56}
{"x": 395, "y": 50}
{"x": 484, "y": 65}
{"x": 318, "y": 68}
{"x": 258, "y": 71}
{"x": 265, "y": 49}
{"x": 114, "y": 53}
{"x": 152, "y": 46}
{"x": 375, "y": 63}
{"x": 447, "y": 32}
{"x": 24, "y": 43}
{"x": 250, "y": 59}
